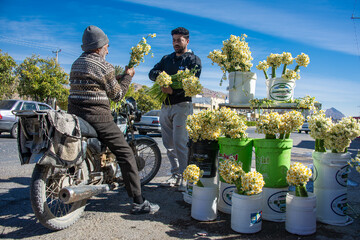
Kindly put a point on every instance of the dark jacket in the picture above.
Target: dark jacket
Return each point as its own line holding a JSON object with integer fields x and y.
{"x": 171, "y": 64}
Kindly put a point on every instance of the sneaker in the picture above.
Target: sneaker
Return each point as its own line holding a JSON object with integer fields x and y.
{"x": 173, "y": 181}
{"x": 182, "y": 186}
{"x": 145, "y": 207}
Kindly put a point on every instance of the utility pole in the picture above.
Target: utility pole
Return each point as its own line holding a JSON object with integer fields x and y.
{"x": 57, "y": 55}
{"x": 57, "y": 62}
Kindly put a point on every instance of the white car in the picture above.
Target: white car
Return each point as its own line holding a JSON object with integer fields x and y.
{"x": 304, "y": 128}
{"x": 8, "y": 121}
{"x": 149, "y": 122}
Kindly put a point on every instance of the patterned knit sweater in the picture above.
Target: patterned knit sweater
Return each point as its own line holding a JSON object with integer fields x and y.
{"x": 92, "y": 83}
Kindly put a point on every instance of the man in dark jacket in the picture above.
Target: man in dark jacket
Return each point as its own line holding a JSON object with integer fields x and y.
{"x": 92, "y": 83}
{"x": 175, "y": 110}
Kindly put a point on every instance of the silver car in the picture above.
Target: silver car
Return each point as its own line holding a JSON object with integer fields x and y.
{"x": 8, "y": 121}
{"x": 304, "y": 128}
{"x": 149, "y": 122}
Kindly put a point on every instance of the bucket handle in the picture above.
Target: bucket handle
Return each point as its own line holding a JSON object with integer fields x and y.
{"x": 338, "y": 163}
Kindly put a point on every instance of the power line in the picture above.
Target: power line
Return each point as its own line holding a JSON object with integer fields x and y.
{"x": 36, "y": 45}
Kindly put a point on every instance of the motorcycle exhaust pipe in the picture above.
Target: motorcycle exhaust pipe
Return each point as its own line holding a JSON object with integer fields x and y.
{"x": 76, "y": 193}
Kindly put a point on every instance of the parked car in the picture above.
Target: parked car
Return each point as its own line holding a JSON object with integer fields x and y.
{"x": 149, "y": 122}
{"x": 304, "y": 128}
{"x": 8, "y": 121}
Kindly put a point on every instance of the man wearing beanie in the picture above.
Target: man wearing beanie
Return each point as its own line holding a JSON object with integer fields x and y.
{"x": 92, "y": 83}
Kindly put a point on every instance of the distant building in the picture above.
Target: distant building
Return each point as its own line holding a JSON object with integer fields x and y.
{"x": 204, "y": 103}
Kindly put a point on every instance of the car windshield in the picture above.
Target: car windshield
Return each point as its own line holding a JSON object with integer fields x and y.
{"x": 152, "y": 113}
{"x": 7, "y": 104}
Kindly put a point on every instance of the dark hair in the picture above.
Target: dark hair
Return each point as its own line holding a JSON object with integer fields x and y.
{"x": 181, "y": 31}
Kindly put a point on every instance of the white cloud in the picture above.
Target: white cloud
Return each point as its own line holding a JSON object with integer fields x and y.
{"x": 326, "y": 27}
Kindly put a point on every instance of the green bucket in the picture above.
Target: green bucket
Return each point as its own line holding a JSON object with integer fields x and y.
{"x": 241, "y": 150}
{"x": 273, "y": 158}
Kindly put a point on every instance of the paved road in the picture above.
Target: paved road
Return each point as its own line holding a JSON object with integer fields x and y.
{"x": 106, "y": 216}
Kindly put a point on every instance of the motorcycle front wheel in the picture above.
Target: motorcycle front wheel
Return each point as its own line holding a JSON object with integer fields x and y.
{"x": 46, "y": 183}
{"x": 148, "y": 159}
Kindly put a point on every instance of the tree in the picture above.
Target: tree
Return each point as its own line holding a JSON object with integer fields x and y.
{"x": 8, "y": 80}
{"x": 144, "y": 101}
{"x": 42, "y": 79}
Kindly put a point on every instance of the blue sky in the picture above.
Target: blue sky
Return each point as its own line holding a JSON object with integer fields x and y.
{"x": 322, "y": 29}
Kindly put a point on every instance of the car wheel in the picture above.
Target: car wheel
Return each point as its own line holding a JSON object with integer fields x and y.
{"x": 306, "y": 132}
{"x": 14, "y": 131}
{"x": 299, "y": 131}
{"x": 142, "y": 132}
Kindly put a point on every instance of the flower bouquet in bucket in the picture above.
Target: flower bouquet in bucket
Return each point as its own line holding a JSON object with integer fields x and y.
{"x": 282, "y": 89}
{"x": 246, "y": 199}
{"x": 192, "y": 174}
{"x": 333, "y": 137}
{"x": 204, "y": 198}
{"x": 300, "y": 205}
{"x": 204, "y": 129}
{"x": 331, "y": 161}
{"x": 298, "y": 175}
{"x": 273, "y": 154}
{"x": 234, "y": 142}
{"x": 235, "y": 58}
{"x": 183, "y": 79}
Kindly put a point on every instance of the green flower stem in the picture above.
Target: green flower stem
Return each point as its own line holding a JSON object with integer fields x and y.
{"x": 266, "y": 75}
{"x": 284, "y": 69}
{"x": 270, "y": 136}
{"x": 319, "y": 145}
{"x": 199, "y": 184}
{"x": 284, "y": 136}
{"x": 300, "y": 191}
{"x": 296, "y": 68}
{"x": 238, "y": 185}
{"x": 273, "y": 73}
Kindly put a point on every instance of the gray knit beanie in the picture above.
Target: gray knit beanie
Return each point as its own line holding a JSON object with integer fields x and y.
{"x": 93, "y": 38}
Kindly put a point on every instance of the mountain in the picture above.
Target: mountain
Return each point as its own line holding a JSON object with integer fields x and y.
{"x": 206, "y": 92}
{"x": 334, "y": 113}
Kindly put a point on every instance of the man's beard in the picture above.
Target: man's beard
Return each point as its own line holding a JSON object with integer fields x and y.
{"x": 102, "y": 53}
{"x": 180, "y": 49}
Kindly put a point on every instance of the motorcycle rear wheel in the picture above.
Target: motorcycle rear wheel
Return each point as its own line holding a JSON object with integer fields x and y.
{"x": 148, "y": 159}
{"x": 46, "y": 182}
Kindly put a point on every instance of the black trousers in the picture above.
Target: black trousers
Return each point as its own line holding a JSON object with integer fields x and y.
{"x": 110, "y": 135}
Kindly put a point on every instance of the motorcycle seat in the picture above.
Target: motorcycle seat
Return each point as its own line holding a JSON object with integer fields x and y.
{"x": 86, "y": 129}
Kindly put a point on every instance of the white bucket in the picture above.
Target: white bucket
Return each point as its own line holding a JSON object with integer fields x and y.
{"x": 300, "y": 214}
{"x": 330, "y": 179}
{"x": 331, "y": 170}
{"x": 280, "y": 89}
{"x": 225, "y": 194}
{"x": 246, "y": 213}
{"x": 331, "y": 206}
{"x": 208, "y": 182}
{"x": 274, "y": 204}
{"x": 204, "y": 203}
{"x": 241, "y": 87}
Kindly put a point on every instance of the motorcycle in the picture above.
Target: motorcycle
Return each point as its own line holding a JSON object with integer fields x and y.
{"x": 58, "y": 194}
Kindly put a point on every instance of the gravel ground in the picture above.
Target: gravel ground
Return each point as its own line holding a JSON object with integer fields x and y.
{"x": 107, "y": 216}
